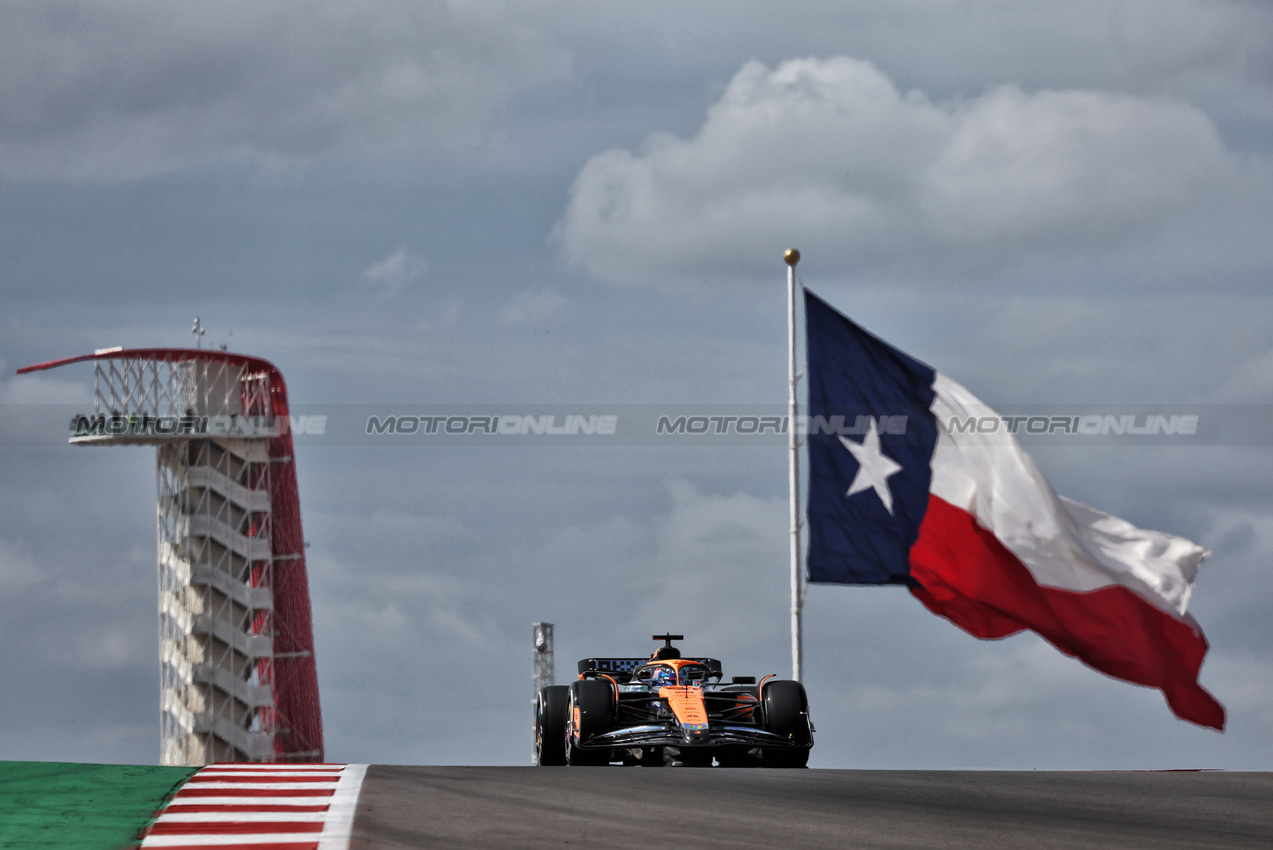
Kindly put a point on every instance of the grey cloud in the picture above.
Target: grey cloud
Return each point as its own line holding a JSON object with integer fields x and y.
{"x": 427, "y": 565}
{"x": 831, "y": 153}
{"x": 25, "y": 402}
{"x": 40, "y": 388}
{"x": 17, "y": 570}
{"x": 111, "y": 92}
{"x": 1250, "y": 381}
{"x": 532, "y": 306}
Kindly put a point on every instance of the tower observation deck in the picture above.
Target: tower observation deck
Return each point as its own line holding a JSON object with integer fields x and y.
{"x": 236, "y": 647}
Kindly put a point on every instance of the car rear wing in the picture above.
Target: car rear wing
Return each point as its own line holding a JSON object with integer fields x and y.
{"x": 620, "y": 669}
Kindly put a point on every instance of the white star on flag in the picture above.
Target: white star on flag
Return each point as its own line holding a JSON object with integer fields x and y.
{"x": 874, "y": 467}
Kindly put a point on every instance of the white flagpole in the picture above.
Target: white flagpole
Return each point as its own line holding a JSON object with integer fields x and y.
{"x": 792, "y": 256}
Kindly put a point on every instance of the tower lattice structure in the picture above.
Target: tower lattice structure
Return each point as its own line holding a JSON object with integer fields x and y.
{"x": 543, "y": 672}
{"x": 236, "y": 651}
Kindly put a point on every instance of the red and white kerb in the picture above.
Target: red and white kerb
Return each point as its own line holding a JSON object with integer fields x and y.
{"x": 261, "y": 807}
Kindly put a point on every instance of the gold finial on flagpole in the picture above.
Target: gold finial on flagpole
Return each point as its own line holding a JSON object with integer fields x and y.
{"x": 792, "y": 256}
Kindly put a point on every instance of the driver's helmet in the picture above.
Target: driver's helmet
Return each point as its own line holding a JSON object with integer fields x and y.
{"x": 663, "y": 677}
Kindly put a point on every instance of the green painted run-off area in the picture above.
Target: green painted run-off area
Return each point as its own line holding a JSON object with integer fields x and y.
{"x": 81, "y": 806}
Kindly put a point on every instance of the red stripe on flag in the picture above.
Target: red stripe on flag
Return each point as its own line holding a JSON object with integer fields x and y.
{"x": 967, "y": 576}
{"x": 234, "y": 828}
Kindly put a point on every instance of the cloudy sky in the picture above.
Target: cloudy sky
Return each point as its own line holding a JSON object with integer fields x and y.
{"x": 504, "y": 205}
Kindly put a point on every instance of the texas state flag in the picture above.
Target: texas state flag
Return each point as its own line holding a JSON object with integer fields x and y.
{"x": 968, "y": 523}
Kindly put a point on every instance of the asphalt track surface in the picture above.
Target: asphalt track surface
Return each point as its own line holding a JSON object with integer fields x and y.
{"x": 613, "y": 807}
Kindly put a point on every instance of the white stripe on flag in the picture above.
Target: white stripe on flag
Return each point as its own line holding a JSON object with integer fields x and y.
{"x": 1062, "y": 543}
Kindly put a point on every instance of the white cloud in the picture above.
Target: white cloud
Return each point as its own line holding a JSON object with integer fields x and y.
{"x": 531, "y": 306}
{"x": 394, "y": 271}
{"x": 93, "y": 91}
{"x": 830, "y": 155}
{"x": 1060, "y": 168}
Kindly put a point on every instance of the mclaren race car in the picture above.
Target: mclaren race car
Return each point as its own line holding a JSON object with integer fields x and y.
{"x": 666, "y": 709}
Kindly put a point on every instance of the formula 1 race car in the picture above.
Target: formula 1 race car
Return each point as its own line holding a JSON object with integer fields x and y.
{"x": 666, "y": 709}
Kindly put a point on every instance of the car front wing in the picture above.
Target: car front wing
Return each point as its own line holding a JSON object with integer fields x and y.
{"x": 661, "y": 734}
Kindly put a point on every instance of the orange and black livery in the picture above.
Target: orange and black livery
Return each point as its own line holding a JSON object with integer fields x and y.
{"x": 666, "y": 709}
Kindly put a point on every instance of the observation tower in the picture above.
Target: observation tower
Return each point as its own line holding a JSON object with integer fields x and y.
{"x": 236, "y": 645}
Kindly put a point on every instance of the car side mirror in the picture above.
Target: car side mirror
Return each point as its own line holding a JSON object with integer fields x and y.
{"x": 743, "y": 680}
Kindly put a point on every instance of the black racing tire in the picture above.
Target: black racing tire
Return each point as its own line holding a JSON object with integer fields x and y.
{"x": 785, "y": 709}
{"x": 591, "y": 710}
{"x": 550, "y": 725}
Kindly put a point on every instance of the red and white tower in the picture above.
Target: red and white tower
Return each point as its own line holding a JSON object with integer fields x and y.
{"x": 236, "y": 644}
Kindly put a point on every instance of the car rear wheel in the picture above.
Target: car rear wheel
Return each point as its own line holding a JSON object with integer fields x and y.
{"x": 786, "y": 714}
{"x": 590, "y": 713}
{"x": 550, "y": 725}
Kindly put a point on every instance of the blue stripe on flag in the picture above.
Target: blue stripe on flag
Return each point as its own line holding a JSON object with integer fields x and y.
{"x": 852, "y": 374}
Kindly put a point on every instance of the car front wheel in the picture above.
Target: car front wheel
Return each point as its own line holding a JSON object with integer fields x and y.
{"x": 550, "y": 725}
{"x": 590, "y": 713}
{"x": 786, "y": 714}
